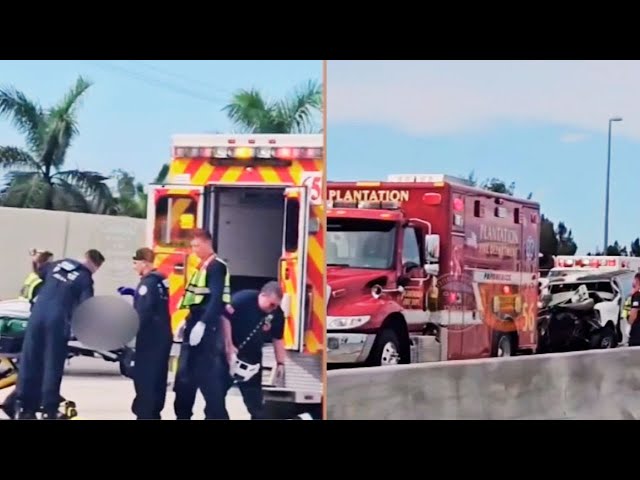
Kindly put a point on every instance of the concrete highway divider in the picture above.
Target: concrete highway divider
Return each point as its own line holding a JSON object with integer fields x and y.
{"x": 601, "y": 384}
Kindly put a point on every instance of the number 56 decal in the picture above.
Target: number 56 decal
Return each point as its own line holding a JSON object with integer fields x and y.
{"x": 313, "y": 182}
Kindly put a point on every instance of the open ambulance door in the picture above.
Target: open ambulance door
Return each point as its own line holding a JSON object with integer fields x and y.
{"x": 172, "y": 214}
{"x": 293, "y": 267}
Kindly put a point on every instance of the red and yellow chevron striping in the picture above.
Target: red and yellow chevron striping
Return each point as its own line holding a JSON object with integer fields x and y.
{"x": 201, "y": 172}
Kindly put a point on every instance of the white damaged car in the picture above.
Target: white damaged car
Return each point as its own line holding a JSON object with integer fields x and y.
{"x": 585, "y": 311}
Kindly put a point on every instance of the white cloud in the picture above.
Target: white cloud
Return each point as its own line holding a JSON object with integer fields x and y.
{"x": 447, "y": 97}
{"x": 573, "y": 137}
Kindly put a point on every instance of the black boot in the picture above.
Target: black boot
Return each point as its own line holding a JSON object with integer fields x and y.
{"x": 53, "y": 415}
{"x": 22, "y": 414}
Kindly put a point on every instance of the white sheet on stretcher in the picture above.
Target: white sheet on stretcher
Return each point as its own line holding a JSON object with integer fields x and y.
{"x": 17, "y": 308}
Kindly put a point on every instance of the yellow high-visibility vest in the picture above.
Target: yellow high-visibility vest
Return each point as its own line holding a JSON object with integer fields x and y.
{"x": 29, "y": 285}
{"x": 626, "y": 308}
{"x": 196, "y": 290}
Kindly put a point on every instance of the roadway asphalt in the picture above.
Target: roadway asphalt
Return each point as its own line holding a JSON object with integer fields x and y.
{"x": 101, "y": 393}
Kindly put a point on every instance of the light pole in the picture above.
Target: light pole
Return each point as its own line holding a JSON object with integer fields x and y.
{"x": 606, "y": 202}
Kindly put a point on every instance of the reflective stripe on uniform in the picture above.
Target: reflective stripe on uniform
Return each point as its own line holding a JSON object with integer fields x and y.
{"x": 226, "y": 290}
{"x": 198, "y": 290}
{"x": 626, "y": 308}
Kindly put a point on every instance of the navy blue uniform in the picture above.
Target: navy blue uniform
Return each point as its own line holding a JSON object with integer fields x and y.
{"x": 200, "y": 367}
{"x": 634, "y": 333}
{"x": 153, "y": 346}
{"x": 67, "y": 283}
{"x": 246, "y": 317}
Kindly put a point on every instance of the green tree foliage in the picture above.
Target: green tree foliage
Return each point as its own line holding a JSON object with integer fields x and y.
{"x": 251, "y": 112}
{"x": 35, "y": 176}
{"x": 130, "y": 196}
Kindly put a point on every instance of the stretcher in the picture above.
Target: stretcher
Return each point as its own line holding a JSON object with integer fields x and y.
{"x": 13, "y": 319}
{"x": 9, "y": 378}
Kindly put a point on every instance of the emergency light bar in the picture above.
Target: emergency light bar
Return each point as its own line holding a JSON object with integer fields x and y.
{"x": 249, "y": 153}
{"x": 592, "y": 262}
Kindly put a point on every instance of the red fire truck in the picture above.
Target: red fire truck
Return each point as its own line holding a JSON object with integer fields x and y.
{"x": 428, "y": 268}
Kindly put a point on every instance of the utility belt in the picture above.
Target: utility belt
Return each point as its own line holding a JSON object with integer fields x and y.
{"x": 240, "y": 370}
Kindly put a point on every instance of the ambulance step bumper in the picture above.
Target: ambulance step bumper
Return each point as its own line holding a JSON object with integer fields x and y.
{"x": 303, "y": 378}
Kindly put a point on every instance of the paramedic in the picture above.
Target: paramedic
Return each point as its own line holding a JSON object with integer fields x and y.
{"x": 634, "y": 320}
{"x": 29, "y": 291}
{"x": 253, "y": 315}
{"x": 154, "y": 339}
{"x": 33, "y": 282}
{"x": 67, "y": 283}
{"x": 202, "y": 352}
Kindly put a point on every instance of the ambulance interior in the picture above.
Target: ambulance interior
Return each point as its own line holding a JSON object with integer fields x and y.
{"x": 248, "y": 230}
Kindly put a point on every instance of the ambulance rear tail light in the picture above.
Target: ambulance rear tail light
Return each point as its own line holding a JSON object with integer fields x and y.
{"x": 611, "y": 263}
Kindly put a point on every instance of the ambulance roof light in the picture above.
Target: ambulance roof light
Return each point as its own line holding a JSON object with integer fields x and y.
{"x": 427, "y": 178}
{"x": 245, "y": 153}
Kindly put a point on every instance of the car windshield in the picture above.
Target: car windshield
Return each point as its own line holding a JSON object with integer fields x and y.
{"x": 561, "y": 273}
{"x": 360, "y": 243}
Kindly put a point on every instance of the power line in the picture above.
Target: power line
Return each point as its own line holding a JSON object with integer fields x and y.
{"x": 158, "y": 83}
{"x": 169, "y": 73}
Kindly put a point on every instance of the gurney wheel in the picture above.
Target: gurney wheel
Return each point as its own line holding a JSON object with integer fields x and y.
{"x": 70, "y": 410}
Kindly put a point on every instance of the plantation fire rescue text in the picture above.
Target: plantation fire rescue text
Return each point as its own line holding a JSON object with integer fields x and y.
{"x": 369, "y": 195}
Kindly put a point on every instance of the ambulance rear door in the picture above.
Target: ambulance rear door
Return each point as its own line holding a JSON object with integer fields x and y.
{"x": 293, "y": 266}
{"x": 173, "y": 212}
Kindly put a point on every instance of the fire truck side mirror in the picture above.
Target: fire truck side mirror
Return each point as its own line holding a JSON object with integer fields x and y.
{"x": 432, "y": 269}
{"x": 432, "y": 248}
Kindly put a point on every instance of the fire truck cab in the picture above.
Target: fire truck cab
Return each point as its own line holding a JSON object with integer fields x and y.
{"x": 261, "y": 198}
{"x": 428, "y": 268}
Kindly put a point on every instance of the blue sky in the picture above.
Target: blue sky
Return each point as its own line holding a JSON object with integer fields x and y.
{"x": 133, "y": 108}
{"x": 542, "y": 124}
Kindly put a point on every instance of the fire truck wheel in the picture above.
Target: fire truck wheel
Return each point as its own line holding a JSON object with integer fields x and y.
{"x": 504, "y": 344}
{"x": 386, "y": 350}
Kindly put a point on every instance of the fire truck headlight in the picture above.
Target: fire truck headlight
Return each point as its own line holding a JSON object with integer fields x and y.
{"x": 344, "y": 323}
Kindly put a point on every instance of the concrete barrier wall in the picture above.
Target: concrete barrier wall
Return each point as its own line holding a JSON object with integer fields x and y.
{"x": 67, "y": 235}
{"x": 602, "y": 384}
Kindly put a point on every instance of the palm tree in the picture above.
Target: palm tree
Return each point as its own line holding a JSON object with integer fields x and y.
{"x": 131, "y": 198}
{"x": 252, "y": 113}
{"x": 36, "y": 177}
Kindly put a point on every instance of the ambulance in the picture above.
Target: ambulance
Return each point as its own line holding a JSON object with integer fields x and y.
{"x": 576, "y": 265}
{"x": 261, "y": 197}
{"x": 426, "y": 267}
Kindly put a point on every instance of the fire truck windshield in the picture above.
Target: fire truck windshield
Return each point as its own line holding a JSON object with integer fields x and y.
{"x": 360, "y": 243}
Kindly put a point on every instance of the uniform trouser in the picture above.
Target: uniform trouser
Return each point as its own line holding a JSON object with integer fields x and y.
{"x": 44, "y": 352}
{"x": 634, "y": 334}
{"x": 200, "y": 367}
{"x": 150, "y": 374}
{"x": 251, "y": 392}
